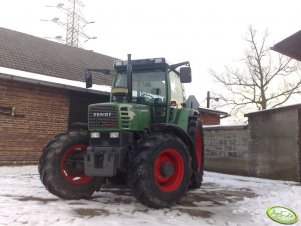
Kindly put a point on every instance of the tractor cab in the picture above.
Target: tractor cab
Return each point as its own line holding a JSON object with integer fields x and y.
{"x": 150, "y": 82}
{"x": 149, "y": 86}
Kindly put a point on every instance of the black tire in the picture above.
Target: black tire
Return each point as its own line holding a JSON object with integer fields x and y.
{"x": 61, "y": 167}
{"x": 194, "y": 128}
{"x": 145, "y": 175}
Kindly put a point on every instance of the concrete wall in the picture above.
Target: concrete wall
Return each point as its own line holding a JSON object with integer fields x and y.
{"x": 275, "y": 143}
{"x": 226, "y": 149}
{"x": 268, "y": 147}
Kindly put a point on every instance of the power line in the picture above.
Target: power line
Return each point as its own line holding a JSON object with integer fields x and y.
{"x": 75, "y": 24}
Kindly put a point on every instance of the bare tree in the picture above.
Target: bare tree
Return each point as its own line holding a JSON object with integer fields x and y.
{"x": 263, "y": 82}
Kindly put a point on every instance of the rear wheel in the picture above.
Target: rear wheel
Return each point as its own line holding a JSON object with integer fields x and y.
{"x": 195, "y": 131}
{"x": 61, "y": 167}
{"x": 160, "y": 171}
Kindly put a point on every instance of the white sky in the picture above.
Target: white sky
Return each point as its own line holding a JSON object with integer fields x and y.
{"x": 207, "y": 33}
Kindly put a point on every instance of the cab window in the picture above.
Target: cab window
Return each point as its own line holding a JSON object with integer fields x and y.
{"x": 176, "y": 89}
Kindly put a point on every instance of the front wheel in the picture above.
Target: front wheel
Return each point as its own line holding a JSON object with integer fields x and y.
{"x": 160, "y": 171}
{"x": 61, "y": 167}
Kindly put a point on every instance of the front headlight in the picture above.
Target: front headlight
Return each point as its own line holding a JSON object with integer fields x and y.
{"x": 95, "y": 135}
{"x": 114, "y": 135}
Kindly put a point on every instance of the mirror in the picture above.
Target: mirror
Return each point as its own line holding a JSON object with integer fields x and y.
{"x": 88, "y": 78}
{"x": 185, "y": 74}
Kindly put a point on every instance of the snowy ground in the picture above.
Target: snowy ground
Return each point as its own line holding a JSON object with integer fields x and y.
{"x": 223, "y": 200}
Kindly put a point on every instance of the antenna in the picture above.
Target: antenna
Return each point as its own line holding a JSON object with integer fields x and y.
{"x": 74, "y": 25}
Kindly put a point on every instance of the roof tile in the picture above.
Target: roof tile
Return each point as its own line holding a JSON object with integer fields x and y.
{"x": 29, "y": 53}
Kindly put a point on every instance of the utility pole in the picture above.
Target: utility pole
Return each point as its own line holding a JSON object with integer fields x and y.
{"x": 208, "y": 99}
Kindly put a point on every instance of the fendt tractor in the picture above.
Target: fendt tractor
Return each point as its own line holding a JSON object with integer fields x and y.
{"x": 144, "y": 137}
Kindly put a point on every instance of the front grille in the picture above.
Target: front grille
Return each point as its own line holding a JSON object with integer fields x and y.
{"x": 125, "y": 119}
{"x": 103, "y": 117}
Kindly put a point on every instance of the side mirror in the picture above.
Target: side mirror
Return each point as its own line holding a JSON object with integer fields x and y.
{"x": 88, "y": 78}
{"x": 185, "y": 74}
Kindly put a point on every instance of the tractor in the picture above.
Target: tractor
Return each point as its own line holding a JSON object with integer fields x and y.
{"x": 144, "y": 137}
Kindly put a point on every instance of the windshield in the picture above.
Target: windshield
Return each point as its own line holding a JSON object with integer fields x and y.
{"x": 148, "y": 86}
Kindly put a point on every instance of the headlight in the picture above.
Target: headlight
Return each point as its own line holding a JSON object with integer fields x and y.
{"x": 95, "y": 135}
{"x": 114, "y": 135}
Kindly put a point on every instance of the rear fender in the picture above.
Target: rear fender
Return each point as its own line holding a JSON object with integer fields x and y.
{"x": 182, "y": 134}
{"x": 183, "y": 116}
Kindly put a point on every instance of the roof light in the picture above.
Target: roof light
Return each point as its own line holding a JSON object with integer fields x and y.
{"x": 158, "y": 60}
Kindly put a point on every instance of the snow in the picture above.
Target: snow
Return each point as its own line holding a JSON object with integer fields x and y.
{"x": 225, "y": 126}
{"x": 222, "y": 200}
{"x": 50, "y": 79}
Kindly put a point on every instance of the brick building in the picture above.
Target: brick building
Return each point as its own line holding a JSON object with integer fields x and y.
{"x": 42, "y": 92}
{"x": 208, "y": 116}
{"x": 212, "y": 117}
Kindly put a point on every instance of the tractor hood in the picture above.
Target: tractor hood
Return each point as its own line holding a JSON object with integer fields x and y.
{"x": 118, "y": 117}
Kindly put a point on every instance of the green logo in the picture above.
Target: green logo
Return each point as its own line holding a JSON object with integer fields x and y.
{"x": 282, "y": 215}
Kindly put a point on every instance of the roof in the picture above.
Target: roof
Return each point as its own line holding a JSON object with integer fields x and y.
{"x": 40, "y": 56}
{"x": 290, "y": 46}
{"x": 288, "y": 107}
{"x": 33, "y": 78}
{"x": 216, "y": 112}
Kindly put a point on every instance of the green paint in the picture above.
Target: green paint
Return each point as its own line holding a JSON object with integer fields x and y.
{"x": 282, "y": 215}
{"x": 181, "y": 116}
{"x": 130, "y": 117}
{"x": 139, "y": 115}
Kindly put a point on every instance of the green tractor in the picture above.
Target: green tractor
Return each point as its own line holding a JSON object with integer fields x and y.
{"x": 145, "y": 137}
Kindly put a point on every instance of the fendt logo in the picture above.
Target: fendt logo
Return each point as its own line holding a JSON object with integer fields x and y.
{"x": 99, "y": 114}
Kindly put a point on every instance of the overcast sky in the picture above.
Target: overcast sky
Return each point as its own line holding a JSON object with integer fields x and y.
{"x": 207, "y": 33}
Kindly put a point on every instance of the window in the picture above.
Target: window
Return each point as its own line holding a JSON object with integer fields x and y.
{"x": 176, "y": 89}
{"x": 148, "y": 85}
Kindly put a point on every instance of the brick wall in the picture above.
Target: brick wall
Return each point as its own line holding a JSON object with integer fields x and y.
{"x": 209, "y": 118}
{"x": 45, "y": 114}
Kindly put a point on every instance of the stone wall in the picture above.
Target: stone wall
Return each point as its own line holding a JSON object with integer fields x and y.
{"x": 269, "y": 147}
{"x": 226, "y": 149}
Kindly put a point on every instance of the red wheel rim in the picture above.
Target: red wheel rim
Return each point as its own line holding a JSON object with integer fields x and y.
{"x": 198, "y": 149}
{"x": 169, "y": 183}
{"x": 71, "y": 159}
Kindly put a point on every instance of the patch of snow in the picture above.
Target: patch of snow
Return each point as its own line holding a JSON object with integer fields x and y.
{"x": 222, "y": 200}
{"x": 226, "y": 126}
